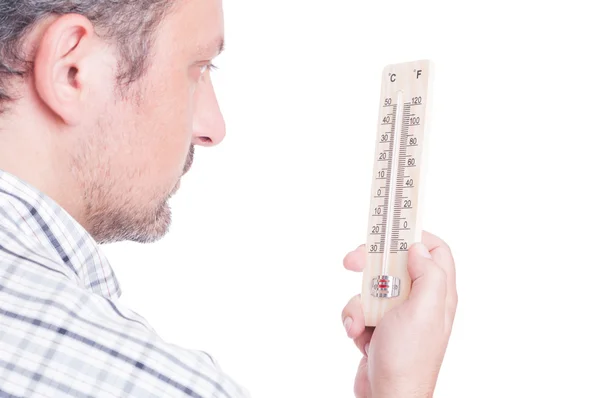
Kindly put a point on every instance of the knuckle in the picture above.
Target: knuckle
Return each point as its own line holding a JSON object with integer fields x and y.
{"x": 445, "y": 246}
{"x": 453, "y": 299}
{"x": 437, "y": 272}
{"x": 438, "y": 275}
{"x": 451, "y": 304}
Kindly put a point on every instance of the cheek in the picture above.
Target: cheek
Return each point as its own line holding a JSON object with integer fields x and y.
{"x": 194, "y": 101}
{"x": 167, "y": 121}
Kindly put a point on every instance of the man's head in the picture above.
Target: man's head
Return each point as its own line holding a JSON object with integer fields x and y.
{"x": 102, "y": 102}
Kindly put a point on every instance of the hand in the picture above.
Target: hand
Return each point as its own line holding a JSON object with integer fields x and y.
{"x": 404, "y": 353}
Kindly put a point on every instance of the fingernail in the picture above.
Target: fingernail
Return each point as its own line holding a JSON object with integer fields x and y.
{"x": 367, "y": 348}
{"x": 348, "y": 324}
{"x": 422, "y": 250}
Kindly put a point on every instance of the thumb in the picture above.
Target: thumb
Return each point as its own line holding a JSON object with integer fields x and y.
{"x": 428, "y": 279}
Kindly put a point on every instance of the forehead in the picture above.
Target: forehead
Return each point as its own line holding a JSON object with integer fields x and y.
{"x": 211, "y": 48}
{"x": 193, "y": 26}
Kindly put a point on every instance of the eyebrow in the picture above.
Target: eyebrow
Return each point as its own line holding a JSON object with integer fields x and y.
{"x": 210, "y": 49}
{"x": 221, "y": 45}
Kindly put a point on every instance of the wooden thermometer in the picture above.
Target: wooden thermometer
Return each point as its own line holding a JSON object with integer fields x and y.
{"x": 398, "y": 172}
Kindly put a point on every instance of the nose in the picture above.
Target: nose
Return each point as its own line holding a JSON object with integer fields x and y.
{"x": 208, "y": 125}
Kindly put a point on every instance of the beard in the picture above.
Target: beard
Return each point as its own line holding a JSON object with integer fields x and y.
{"x": 114, "y": 214}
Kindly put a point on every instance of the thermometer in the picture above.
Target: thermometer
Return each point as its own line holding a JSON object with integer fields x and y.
{"x": 397, "y": 186}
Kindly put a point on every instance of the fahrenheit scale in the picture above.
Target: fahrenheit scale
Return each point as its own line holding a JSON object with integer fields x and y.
{"x": 397, "y": 187}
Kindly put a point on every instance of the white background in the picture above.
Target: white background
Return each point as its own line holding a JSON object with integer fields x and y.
{"x": 275, "y": 208}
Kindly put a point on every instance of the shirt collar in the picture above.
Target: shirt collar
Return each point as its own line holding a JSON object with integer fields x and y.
{"x": 37, "y": 215}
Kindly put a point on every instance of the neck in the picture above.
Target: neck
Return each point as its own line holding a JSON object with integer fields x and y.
{"x": 29, "y": 150}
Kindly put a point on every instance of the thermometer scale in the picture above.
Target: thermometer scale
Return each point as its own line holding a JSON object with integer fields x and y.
{"x": 397, "y": 186}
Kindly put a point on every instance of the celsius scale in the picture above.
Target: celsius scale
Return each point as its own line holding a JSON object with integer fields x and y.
{"x": 397, "y": 185}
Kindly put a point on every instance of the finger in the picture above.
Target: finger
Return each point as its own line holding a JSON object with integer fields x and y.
{"x": 356, "y": 260}
{"x": 353, "y": 318}
{"x": 442, "y": 256}
{"x": 361, "y": 381}
{"x": 364, "y": 339}
{"x": 428, "y": 290}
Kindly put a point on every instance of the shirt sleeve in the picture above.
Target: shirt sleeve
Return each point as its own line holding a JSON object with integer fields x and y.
{"x": 149, "y": 365}
{"x": 59, "y": 339}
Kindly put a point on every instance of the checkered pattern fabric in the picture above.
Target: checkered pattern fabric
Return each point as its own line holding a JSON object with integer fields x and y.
{"x": 63, "y": 331}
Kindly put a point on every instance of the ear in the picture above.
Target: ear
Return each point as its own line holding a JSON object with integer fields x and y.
{"x": 62, "y": 66}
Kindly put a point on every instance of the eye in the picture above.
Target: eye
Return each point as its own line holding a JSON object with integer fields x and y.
{"x": 209, "y": 67}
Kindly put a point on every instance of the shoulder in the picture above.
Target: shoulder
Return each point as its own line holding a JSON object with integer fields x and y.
{"x": 29, "y": 253}
{"x": 57, "y": 336}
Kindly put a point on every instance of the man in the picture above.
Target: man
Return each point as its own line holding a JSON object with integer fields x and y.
{"x": 102, "y": 103}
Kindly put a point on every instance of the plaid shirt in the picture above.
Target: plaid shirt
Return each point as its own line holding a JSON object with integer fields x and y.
{"x": 63, "y": 331}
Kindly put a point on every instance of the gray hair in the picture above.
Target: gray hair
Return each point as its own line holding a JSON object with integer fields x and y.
{"x": 128, "y": 23}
